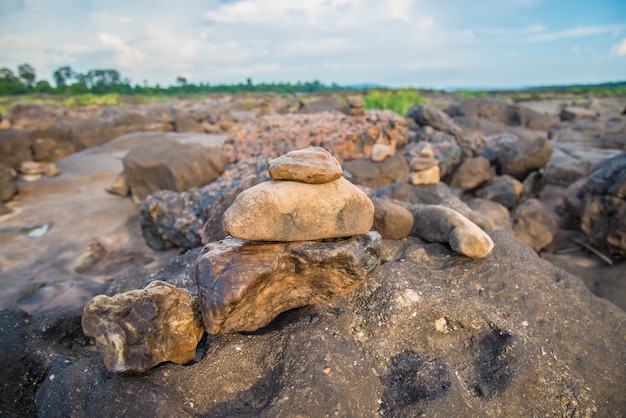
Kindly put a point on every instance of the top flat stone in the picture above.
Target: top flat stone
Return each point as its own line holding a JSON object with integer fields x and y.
{"x": 313, "y": 165}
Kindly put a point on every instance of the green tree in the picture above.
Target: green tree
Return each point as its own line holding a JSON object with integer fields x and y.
{"x": 181, "y": 80}
{"x": 26, "y": 73}
{"x": 43, "y": 86}
{"x": 8, "y": 76}
{"x": 10, "y": 83}
{"x": 63, "y": 75}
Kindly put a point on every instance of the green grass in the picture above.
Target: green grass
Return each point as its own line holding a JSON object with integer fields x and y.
{"x": 76, "y": 101}
{"x": 398, "y": 101}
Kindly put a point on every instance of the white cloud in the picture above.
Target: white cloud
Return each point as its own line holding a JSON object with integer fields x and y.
{"x": 108, "y": 16}
{"x": 577, "y": 32}
{"x": 127, "y": 56}
{"x": 619, "y": 48}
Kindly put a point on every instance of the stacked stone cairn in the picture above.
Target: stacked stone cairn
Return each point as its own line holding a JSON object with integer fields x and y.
{"x": 424, "y": 169}
{"x": 356, "y": 106}
{"x": 301, "y": 238}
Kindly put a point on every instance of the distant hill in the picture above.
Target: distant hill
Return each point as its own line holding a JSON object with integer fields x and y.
{"x": 607, "y": 85}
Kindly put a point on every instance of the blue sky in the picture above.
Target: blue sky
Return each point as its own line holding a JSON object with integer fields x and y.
{"x": 420, "y": 43}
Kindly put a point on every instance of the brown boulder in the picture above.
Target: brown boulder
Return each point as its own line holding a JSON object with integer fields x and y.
{"x": 164, "y": 164}
{"x": 243, "y": 286}
{"x": 509, "y": 114}
{"x": 139, "y": 329}
{"x": 535, "y": 224}
{"x": 15, "y": 147}
{"x": 7, "y": 186}
{"x": 471, "y": 173}
{"x": 391, "y": 220}
{"x": 373, "y": 174}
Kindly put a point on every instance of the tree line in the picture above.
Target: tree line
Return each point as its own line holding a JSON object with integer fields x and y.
{"x": 104, "y": 81}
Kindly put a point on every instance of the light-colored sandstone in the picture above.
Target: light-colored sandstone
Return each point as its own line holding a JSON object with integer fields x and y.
{"x": 422, "y": 163}
{"x": 428, "y": 176}
{"x": 313, "y": 165}
{"x": 293, "y": 211}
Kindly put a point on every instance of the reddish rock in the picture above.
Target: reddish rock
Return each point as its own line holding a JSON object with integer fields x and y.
{"x": 345, "y": 137}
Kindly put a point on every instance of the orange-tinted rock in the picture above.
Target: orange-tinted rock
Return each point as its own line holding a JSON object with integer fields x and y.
{"x": 293, "y": 211}
{"x": 243, "y": 286}
{"x": 313, "y": 165}
{"x": 343, "y": 136}
{"x": 139, "y": 329}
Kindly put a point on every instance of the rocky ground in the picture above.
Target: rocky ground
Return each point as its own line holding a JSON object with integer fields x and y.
{"x": 432, "y": 332}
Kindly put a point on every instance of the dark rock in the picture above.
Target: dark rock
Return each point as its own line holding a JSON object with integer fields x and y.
{"x": 516, "y": 156}
{"x": 7, "y": 186}
{"x": 574, "y": 113}
{"x": 612, "y": 140}
{"x": 535, "y": 224}
{"x": 30, "y": 344}
{"x": 213, "y": 229}
{"x": 243, "y": 285}
{"x": 171, "y": 165}
{"x": 431, "y": 333}
{"x": 447, "y": 153}
{"x": 471, "y": 173}
{"x": 373, "y": 174}
{"x": 563, "y": 169}
{"x": 170, "y": 219}
{"x": 425, "y": 114}
{"x": 603, "y": 206}
{"x": 391, "y": 220}
{"x": 512, "y": 115}
{"x": 178, "y": 272}
{"x": 15, "y": 147}
{"x": 139, "y": 329}
{"x": 498, "y": 214}
{"x": 504, "y": 189}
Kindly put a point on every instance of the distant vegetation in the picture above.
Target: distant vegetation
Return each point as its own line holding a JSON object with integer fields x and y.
{"x": 399, "y": 101}
{"x": 108, "y": 87}
{"x": 106, "y": 81}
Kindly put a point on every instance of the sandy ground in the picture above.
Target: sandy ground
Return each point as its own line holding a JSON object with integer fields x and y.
{"x": 67, "y": 238}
